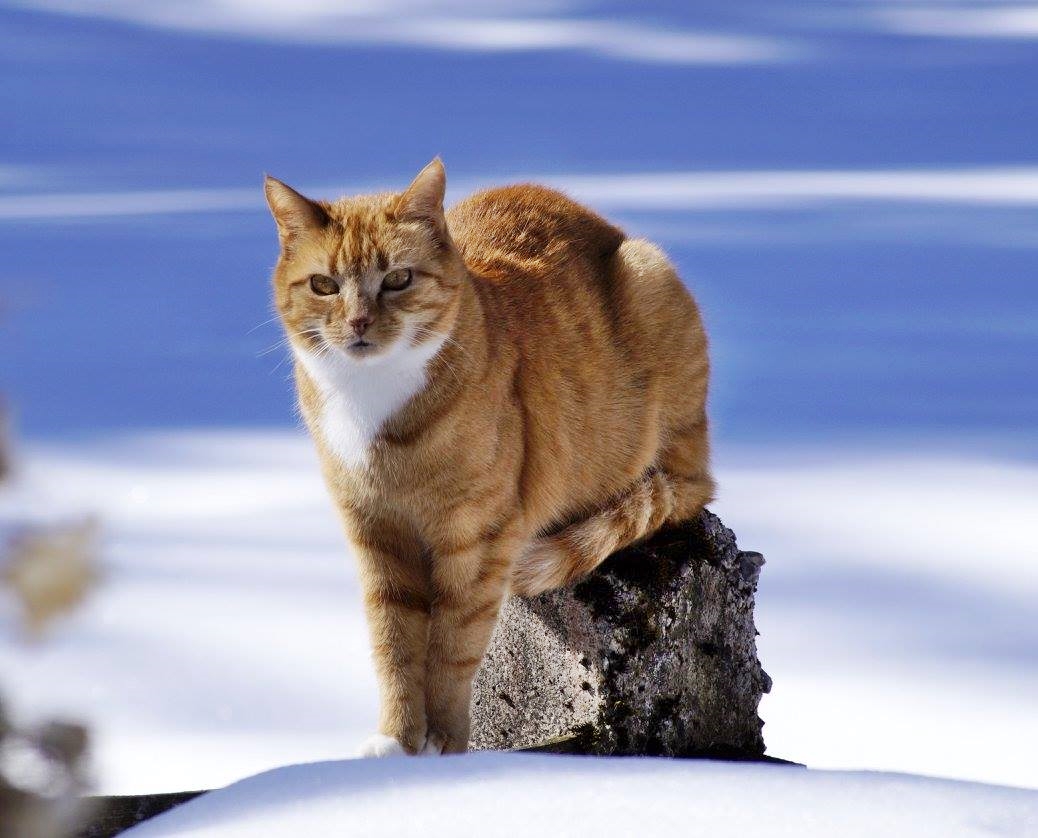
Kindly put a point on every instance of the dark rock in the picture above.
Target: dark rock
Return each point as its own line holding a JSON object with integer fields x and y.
{"x": 654, "y": 653}
{"x": 110, "y": 816}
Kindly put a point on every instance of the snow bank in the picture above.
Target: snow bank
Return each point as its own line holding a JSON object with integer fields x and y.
{"x": 228, "y": 635}
{"x": 896, "y": 610}
{"x": 519, "y": 794}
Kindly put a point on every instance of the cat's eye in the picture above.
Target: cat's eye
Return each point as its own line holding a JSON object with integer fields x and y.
{"x": 323, "y": 286}
{"x": 397, "y": 280}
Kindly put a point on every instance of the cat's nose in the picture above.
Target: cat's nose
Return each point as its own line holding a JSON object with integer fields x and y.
{"x": 360, "y": 324}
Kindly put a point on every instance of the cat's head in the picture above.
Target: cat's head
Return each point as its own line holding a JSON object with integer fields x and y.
{"x": 369, "y": 277}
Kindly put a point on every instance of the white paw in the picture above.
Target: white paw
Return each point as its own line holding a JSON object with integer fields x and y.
{"x": 431, "y": 748}
{"x": 380, "y": 745}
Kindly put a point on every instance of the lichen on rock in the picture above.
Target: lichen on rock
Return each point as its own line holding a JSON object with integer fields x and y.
{"x": 654, "y": 653}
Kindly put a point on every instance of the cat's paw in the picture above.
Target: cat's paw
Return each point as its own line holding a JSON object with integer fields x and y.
{"x": 433, "y": 746}
{"x": 379, "y": 745}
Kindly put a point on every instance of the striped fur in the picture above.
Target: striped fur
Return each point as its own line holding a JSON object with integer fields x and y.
{"x": 532, "y": 402}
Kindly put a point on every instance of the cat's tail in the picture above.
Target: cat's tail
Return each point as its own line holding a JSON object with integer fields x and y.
{"x": 560, "y": 559}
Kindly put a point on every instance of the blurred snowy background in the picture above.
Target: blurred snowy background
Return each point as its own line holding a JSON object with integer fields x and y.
{"x": 849, "y": 186}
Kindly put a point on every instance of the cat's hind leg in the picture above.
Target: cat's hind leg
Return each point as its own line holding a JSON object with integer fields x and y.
{"x": 670, "y": 493}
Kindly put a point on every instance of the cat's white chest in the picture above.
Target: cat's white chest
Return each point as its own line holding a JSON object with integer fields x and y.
{"x": 358, "y": 398}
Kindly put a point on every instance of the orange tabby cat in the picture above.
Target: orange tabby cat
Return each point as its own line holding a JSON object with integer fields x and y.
{"x": 501, "y": 395}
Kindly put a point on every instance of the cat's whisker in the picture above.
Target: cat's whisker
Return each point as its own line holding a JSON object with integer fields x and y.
{"x": 273, "y": 348}
{"x": 452, "y": 371}
{"x": 264, "y": 323}
{"x": 287, "y": 340}
{"x": 426, "y": 332}
{"x": 324, "y": 349}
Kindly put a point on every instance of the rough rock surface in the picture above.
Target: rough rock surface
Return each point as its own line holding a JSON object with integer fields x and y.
{"x": 654, "y": 653}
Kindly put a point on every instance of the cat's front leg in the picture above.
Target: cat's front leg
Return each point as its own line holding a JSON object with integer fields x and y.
{"x": 396, "y": 602}
{"x": 469, "y": 582}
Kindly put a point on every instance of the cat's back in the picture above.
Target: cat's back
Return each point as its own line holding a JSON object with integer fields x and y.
{"x": 530, "y": 231}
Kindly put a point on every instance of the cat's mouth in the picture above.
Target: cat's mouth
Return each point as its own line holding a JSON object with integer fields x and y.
{"x": 360, "y": 346}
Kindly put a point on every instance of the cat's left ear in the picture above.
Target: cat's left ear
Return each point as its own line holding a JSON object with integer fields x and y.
{"x": 294, "y": 213}
{"x": 423, "y": 199}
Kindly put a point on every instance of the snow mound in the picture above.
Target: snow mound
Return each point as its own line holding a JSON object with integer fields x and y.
{"x": 526, "y": 794}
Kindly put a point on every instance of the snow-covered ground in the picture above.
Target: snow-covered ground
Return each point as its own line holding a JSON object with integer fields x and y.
{"x": 511, "y": 794}
{"x": 895, "y": 610}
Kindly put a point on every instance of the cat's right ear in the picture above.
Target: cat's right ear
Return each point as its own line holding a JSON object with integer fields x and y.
{"x": 294, "y": 213}
{"x": 423, "y": 199}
